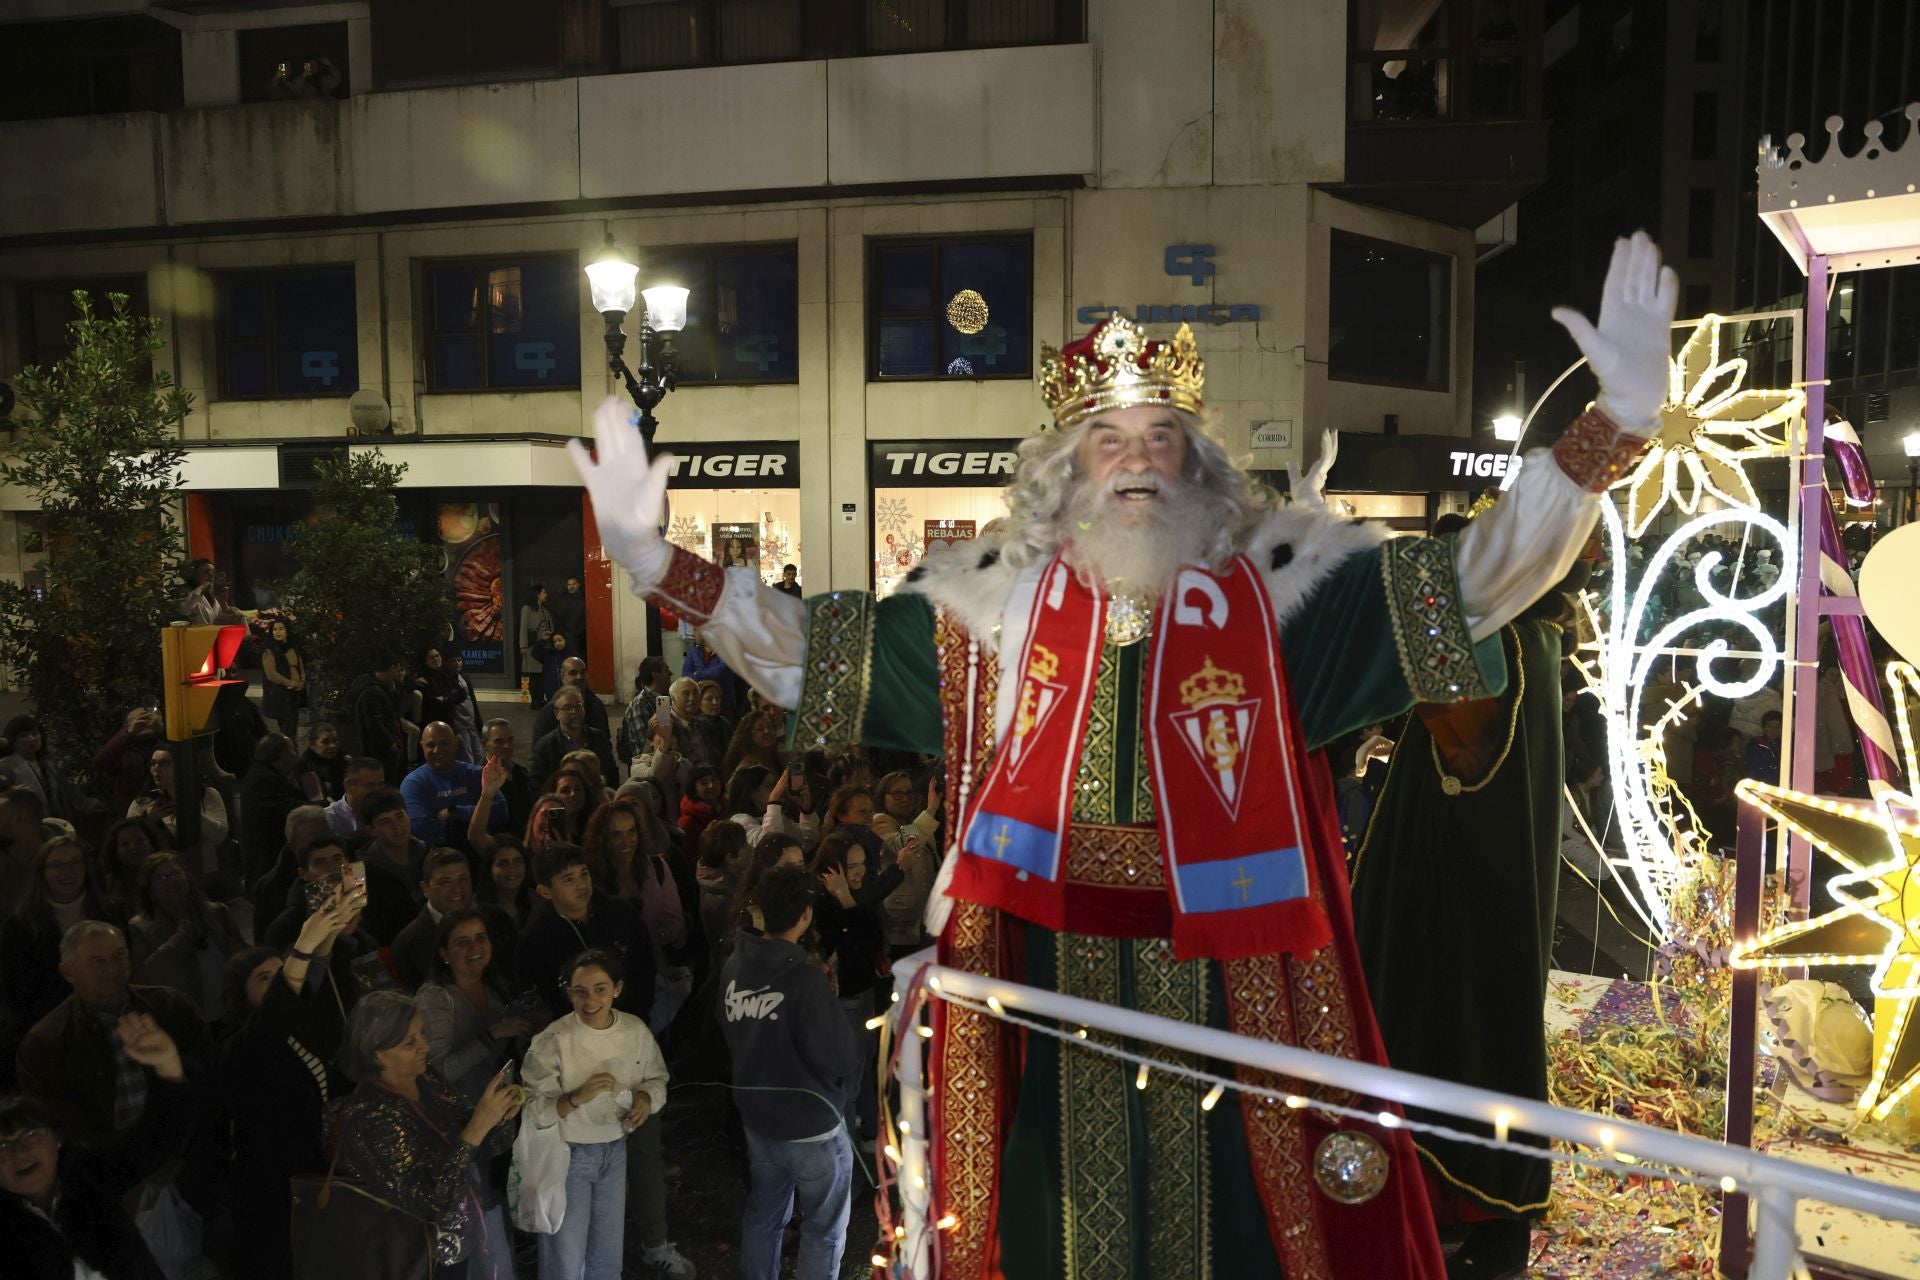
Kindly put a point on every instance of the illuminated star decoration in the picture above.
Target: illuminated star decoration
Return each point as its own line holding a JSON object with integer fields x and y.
{"x": 1878, "y": 919}
{"x": 1711, "y": 426}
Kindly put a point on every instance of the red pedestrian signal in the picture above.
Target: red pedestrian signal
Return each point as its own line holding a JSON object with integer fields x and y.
{"x": 192, "y": 659}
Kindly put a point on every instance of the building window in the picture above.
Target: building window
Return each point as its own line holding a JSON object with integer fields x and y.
{"x": 1390, "y": 314}
{"x": 47, "y": 313}
{"x": 1442, "y": 60}
{"x": 307, "y": 61}
{"x": 503, "y": 325}
{"x": 950, "y": 308}
{"x": 1700, "y": 222}
{"x": 1699, "y": 301}
{"x": 424, "y": 42}
{"x": 743, "y": 311}
{"x": 1706, "y": 124}
{"x": 89, "y": 67}
{"x": 290, "y": 333}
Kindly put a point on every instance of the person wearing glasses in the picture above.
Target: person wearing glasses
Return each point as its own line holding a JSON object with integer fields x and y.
{"x": 62, "y": 1207}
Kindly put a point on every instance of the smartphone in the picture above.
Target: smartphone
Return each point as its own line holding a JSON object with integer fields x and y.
{"x": 794, "y": 770}
{"x": 356, "y": 876}
{"x": 663, "y": 714}
{"x": 318, "y": 892}
{"x": 506, "y": 1074}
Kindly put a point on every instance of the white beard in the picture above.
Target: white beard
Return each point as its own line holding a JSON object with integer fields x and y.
{"x": 1141, "y": 546}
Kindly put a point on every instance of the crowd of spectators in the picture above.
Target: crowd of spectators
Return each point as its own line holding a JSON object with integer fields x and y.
{"x": 382, "y": 923}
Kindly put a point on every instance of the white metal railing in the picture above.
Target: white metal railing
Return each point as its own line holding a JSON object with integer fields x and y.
{"x": 1776, "y": 1186}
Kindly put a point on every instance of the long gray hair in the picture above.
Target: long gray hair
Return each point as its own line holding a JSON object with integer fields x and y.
{"x": 1043, "y": 490}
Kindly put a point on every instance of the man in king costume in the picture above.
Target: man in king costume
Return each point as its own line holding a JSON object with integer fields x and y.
{"x": 1131, "y": 682}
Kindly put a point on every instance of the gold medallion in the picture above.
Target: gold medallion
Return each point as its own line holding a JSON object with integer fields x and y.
{"x": 1351, "y": 1167}
{"x": 1450, "y": 785}
{"x": 1129, "y": 619}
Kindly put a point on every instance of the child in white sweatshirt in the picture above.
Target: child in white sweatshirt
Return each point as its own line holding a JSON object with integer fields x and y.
{"x": 598, "y": 1074}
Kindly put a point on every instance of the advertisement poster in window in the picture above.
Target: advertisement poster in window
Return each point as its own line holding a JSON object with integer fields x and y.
{"x": 471, "y": 538}
{"x": 944, "y": 533}
{"x": 737, "y": 546}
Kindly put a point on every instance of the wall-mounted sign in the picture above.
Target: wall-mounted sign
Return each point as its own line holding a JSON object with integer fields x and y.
{"x": 944, "y": 533}
{"x": 956, "y": 464}
{"x": 1372, "y": 463}
{"x": 752, "y": 464}
{"x": 1195, "y": 263}
{"x": 1274, "y": 434}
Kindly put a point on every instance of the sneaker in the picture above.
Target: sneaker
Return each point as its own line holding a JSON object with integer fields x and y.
{"x": 668, "y": 1261}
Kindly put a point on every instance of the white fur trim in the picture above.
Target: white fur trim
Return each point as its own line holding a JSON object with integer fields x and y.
{"x": 968, "y": 580}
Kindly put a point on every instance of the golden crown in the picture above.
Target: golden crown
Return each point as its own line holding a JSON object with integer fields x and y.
{"x": 1118, "y": 367}
{"x": 1209, "y": 685}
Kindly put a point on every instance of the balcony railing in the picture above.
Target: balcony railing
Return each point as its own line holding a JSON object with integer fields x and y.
{"x": 1776, "y": 1185}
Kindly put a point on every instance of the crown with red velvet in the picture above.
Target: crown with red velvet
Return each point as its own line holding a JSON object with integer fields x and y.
{"x": 1118, "y": 367}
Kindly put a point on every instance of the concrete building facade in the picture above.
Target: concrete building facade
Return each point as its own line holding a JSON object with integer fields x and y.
{"x": 1179, "y": 160}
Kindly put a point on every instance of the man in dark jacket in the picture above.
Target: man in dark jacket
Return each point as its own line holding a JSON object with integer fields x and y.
{"x": 573, "y": 734}
{"x": 496, "y": 739}
{"x": 582, "y": 918}
{"x": 267, "y": 795}
{"x": 63, "y": 1213}
{"x": 573, "y": 675}
{"x": 75, "y": 1062}
{"x": 375, "y": 716}
{"x": 796, "y": 1067}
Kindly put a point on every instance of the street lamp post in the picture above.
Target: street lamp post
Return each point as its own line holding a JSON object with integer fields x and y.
{"x": 1912, "y": 444}
{"x": 663, "y": 313}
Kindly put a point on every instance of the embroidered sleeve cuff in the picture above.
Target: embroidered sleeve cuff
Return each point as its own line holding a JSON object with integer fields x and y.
{"x": 1594, "y": 452}
{"x": 1437, "y": 652}
{"x": 836, "y": 678}
{"x": 690, "y": 586}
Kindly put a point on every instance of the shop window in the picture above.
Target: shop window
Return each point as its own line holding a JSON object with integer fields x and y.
{"x": 1390, "y": 313}
{"x": 950, "y": 308}
{"x": 503, "y": 325}
{"x": 47, "y": 313}
{"x": 743, "y": 311}
{"x": 289, "y": 333}
{"x": 281, "y": 63}
{"x": 932, "y": 493}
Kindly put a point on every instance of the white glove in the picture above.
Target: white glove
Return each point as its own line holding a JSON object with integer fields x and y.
{"x": 1630, "y": 350}
{"x": 628, "y": 491}
{"x": 1310, "y": 490}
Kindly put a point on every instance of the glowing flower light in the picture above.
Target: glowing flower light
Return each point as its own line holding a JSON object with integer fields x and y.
{"x": 1711, "y": 426}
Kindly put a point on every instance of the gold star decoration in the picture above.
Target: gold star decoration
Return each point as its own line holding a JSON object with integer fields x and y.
{"x": 1877, "y": 921}
{"x": 1711, "y": 426}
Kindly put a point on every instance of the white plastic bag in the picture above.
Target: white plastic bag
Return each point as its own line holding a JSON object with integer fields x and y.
{"x": 537, "y": 1183}
{"x": 171, "y": 1229}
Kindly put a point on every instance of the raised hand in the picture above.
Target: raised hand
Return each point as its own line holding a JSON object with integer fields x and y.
{"x": 148, "y": 1044}
{"x": 628, "y": 489}
{"x": 1629, "y": 349}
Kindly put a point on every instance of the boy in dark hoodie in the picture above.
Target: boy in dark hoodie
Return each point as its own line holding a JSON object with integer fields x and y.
{"x": 796, "y": 1068}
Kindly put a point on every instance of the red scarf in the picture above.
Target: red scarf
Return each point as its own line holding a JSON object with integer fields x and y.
{"x": 1224, "y": 758}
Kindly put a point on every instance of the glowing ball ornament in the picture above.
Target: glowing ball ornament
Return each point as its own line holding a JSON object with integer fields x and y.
{"x": 967, "y": 311}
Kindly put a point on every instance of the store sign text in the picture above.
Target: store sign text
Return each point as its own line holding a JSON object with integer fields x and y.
{"x": 1485, "y": 465}
{"x": 770, "y": 464}
{"x": 943, "y": 464}
{"x": 916, "y": 462}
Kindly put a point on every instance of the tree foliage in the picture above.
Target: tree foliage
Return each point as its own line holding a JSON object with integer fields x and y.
{"x": 101, "y": 454}
{"x": 364, "y": 587}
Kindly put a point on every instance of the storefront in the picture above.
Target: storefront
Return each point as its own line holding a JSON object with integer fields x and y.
{"x": 1405, "y": 482}
{"x": 927, "y": 493}
{"x": 738, "y": 505}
